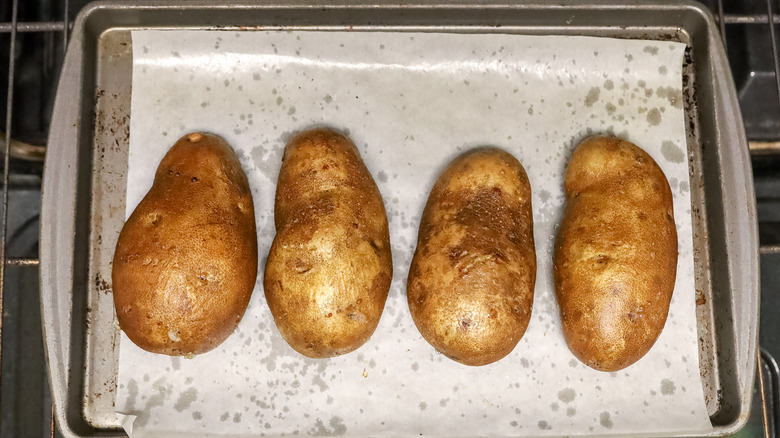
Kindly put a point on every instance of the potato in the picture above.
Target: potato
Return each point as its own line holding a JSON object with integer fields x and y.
{"x": 329, "y": 268}
{"x": 186, "y": 260}
{"x": 615, "y": 253}
{"x": 471, "y": 283}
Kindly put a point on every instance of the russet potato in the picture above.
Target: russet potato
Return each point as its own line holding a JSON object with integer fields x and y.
{"x": 329, "y": 269}
{"x": 471, "y": 283}
{"x": 615, "y": 256}
{"x": 186, "y": 259}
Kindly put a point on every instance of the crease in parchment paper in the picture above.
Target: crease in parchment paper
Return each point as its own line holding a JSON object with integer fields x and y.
{"x": 411, "y": 102}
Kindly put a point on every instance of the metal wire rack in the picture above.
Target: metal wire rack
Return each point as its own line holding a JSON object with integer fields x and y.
{"x": 17, "y": 155}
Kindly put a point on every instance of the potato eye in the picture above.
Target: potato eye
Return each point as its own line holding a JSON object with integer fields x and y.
{"x": 153, "y": 218}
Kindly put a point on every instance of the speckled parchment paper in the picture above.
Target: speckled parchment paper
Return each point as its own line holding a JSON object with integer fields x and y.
{"x": 412, "y": 102}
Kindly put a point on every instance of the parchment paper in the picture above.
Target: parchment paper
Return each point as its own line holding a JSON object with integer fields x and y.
{"x": 412, "y": 102}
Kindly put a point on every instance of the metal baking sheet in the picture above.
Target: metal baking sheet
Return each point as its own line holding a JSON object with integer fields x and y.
{"x": 440, "y": 93}
{"x": 84, "y": 183}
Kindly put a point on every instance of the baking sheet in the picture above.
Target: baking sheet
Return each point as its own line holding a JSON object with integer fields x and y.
{"x": 412, "y": 102}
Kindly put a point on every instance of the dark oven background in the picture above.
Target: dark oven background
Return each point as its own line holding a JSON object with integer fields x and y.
{"x": 33, "y": 35}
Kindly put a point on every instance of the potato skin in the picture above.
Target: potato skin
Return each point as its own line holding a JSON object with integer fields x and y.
{"x": 186, "y": 260}
{"x": 471, "y": 283}
{"x": 616, "y": 253}
{"x": 329, "y": 269}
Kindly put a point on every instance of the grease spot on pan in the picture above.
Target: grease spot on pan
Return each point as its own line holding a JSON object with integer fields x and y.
{"x": 605, "y": 420}
{"x": 592, "y": 96}
{"x": 185, "y": 399}
{"x": 667, "y": 387}
{"x": 567, "y": 395}
{"x": 337, "y": 427}
{"x": 671, "y": 151}
{"x": 654, "y": 117}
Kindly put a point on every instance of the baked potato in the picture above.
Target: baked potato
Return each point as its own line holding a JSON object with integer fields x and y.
{"x": 471, "y": 283}
{"x": 615, "y": 253}
{"x": 186, "y": 259}
{"x": 329, "y": 268}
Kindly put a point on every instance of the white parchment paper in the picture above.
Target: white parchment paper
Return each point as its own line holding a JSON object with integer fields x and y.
{"x": 412, "y": 102}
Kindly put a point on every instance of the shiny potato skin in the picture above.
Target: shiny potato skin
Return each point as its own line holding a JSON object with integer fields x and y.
{"x": 186, "y": 260}
{"x": 329, "y": 269}
{"x": 471, "y": 283}
{"x": 616, "y": 253}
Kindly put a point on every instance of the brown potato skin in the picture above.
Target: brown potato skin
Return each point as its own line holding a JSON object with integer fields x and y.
{"x": 186, "y": 260}
{"x": 471, "y": 283}
{"x": 616, "y": 253}
{"x": 329, "y": 269}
